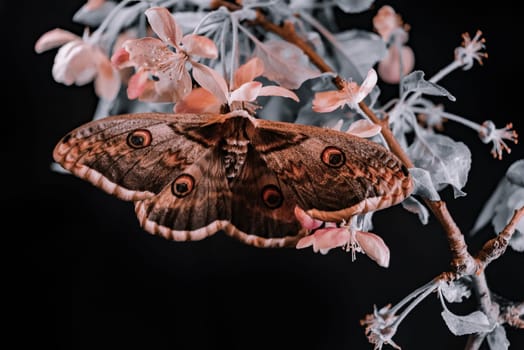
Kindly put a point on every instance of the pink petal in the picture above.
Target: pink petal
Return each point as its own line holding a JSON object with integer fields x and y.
{"x": 137, "y": 84}
{"x": 248, "y": 71}
{"x": 364, "y": 128}
{"x": 367, "y": 85}
{"x": 210, "y": 79}
{"x": 198, "y": 45}
{"x": 121, "y": 58}
{"x": 325, "y": 239}
{"x": 329, "y": 238}
{"x": 152, "y": 94}
{"x": 75, "y": 64}
{"x": 148, "y": 52}
{"x": 273, "y": 90}
{"x": 107, "y": 81}
{"x": 305, "y": 242}
{"x": 385, "y": 21}
{"x": 305, "y": 220}
{"x": 174, "y": 79}
{"x": 54, "y": 38}
{"x": 163, "y": 24}
{"x": 246, "y": 92}
{"x": 374, "y": 247}
{"x": 389, "y": 67}
{"x": 328, "y": 101}
{"x": 199, "y": 100}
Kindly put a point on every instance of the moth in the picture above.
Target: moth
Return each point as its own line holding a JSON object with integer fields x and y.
{"x": 192, "y": 175}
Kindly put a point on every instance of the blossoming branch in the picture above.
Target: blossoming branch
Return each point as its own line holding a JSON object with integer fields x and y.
{"x": 277, "y": 60}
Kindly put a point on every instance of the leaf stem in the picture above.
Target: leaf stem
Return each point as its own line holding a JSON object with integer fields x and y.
{"x": 425, "y": 290}
{"x": 432, "y": 287}
{"x": 454, "y": 117}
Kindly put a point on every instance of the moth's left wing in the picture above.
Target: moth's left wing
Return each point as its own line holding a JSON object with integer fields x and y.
{"x": 133, "y": 156}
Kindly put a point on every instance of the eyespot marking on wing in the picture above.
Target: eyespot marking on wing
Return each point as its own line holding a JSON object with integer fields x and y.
{"x": 333, "y": 157}
{"x": 183, "y": 185}
{"x": 139, "y": 138}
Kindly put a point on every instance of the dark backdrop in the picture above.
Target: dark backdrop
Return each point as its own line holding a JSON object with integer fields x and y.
{"x": 85, "y": 276}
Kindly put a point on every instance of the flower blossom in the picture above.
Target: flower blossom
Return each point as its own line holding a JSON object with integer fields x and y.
{"x": 400, "y": 59}
{"x": 470, "y": 50}
{"x": 386, "y": 22}
{"x": 332, "y": 236}
{"x": 351, "y": 94}
{"x": 380, "y": 327}
{"x": 80, "y": 61}
{"x": 161, "y": 73}
{"x": 489, "y": 133}
{"x": 216, "y": 92}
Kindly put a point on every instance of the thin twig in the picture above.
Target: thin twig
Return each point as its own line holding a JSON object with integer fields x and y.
{"x": 486, "y": 304}
{"x": 495, "y": 247}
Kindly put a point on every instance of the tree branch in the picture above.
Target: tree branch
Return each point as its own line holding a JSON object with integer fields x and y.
{"x": 495, "y": 247}
{"x": 462, "y": 262}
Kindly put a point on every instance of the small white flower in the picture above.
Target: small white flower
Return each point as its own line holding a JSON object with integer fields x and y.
{"x": 380, "y": 327}
{"x": 470, "y": 50}
{"x": 490, "y": 133}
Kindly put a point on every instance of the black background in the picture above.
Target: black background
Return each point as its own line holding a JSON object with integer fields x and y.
{"x": 85, "y": 276}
